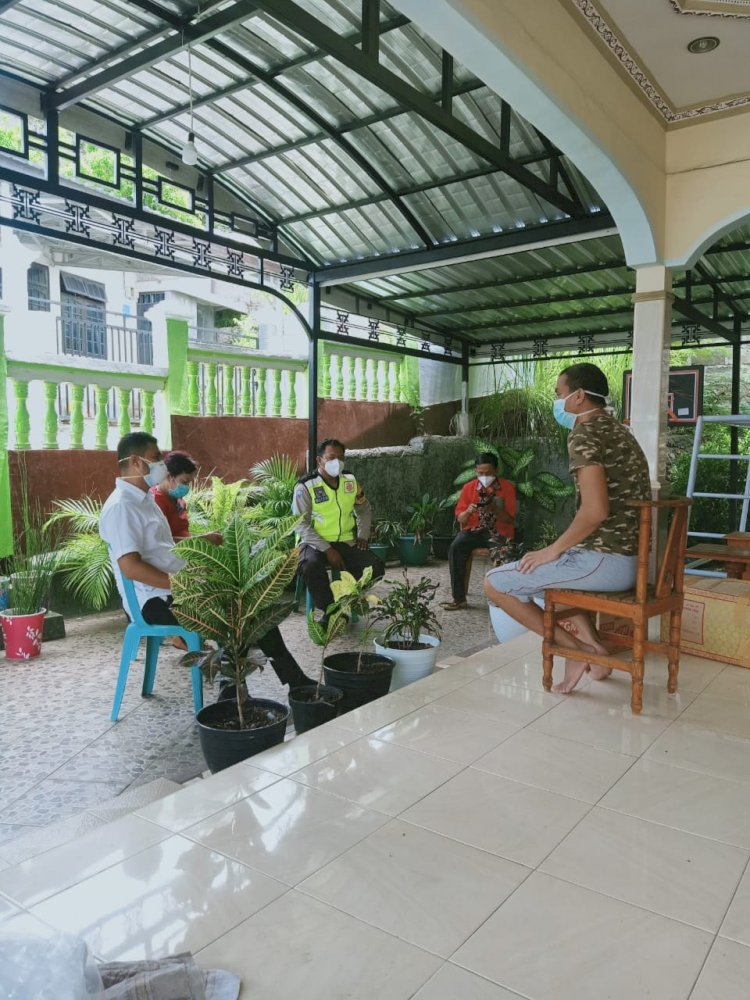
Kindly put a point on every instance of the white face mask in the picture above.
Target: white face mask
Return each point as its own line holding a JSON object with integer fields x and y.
{"x": 486, "y": 480}
{"x": 157, "y": 472}
{"x": 333, "y": 467}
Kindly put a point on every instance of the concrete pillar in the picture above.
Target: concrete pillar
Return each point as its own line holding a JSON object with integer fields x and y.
{"x": 652, "y": 332}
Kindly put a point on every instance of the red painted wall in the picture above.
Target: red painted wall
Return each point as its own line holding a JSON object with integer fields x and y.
{"x": 53, "y": 475}
{"x": 229, "y": 446}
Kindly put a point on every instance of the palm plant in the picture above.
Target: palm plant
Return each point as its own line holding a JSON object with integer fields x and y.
{"x": 271, "y": 489}
{"x": 82, "y": 557}
{"x": 211, "y": 503}
{"x": 233, "y": 594}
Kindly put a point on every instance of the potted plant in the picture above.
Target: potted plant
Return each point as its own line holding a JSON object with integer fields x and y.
{"x": 386, "y": 533}
{"x": 233, "y": 594}
{"x": 314, "y": 704}
{"x": 361, "y": 676}
{"x": 406, "y": 611}
{"x": 415, "y": 544}
{"x": 31, "y": 569}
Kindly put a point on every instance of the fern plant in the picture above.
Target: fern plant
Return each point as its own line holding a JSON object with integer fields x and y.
{"x": 233, "y": 594}
{"x": 82, "y": 557}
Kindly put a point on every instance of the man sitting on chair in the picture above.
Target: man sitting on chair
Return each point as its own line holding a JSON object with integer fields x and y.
{"x": 598, "y": 551}
{"x": 142, "y": 548}
{"x": 485, "y": 512}
{"x": 336, "y": 524}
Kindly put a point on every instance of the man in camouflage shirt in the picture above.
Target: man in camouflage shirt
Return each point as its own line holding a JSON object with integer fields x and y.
{"x": 598, "y": 551}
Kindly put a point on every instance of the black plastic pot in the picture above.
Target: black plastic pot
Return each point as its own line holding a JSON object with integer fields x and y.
{"x": 224, "y": 747}
{"x": 440, "y": 545}
{"x": 359, "y": 686}
{"x": 312, "y": 705}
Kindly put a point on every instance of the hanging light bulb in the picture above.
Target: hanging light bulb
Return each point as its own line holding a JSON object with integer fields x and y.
{"x": 189, "y": 152}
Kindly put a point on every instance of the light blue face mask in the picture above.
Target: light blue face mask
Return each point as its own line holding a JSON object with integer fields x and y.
{"x": 180, "y": 491}
{"x": 567, "y": 419}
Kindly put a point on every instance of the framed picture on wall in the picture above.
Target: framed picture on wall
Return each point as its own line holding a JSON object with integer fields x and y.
{"x": 685, "y": 398}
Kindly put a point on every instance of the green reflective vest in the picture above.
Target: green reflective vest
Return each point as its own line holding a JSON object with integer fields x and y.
{"x": 333, "y": 510}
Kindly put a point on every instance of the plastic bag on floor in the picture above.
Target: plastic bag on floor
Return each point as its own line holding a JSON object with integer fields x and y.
{"x": 57, "y": 967}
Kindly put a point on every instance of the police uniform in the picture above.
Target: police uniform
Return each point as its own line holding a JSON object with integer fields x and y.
{"x": 332, "y": 517}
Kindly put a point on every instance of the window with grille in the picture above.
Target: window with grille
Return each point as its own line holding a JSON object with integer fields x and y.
{"x": 37, "y": 286}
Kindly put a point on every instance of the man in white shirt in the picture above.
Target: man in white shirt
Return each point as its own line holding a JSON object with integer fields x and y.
{"x": 142, "y": 549}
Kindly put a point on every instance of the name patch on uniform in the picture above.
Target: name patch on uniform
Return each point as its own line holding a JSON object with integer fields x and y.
{"x": 348, "y": 486}
{"x": 320, "y": 494}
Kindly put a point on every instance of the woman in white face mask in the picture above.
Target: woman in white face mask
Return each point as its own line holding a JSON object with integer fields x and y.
{"x": 598, "y": 549}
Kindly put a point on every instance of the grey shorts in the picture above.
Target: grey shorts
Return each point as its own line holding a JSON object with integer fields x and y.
{"x": 576, "y": 569}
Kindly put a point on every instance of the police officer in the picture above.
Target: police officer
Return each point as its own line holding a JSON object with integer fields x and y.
{"x": 336, "y": 522}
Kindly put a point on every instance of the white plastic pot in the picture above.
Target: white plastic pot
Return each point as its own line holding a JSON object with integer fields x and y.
{"x": 411, "y": 664}
{"x": 505, "y": 627}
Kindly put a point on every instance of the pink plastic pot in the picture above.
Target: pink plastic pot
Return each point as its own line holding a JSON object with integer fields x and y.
{"x": 22, "y": 634}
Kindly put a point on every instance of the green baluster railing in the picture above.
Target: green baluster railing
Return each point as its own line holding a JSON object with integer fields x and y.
{"x": 123, "y": 406}
{"x": 276, "y": 379}
{"x": 50, "y": 416}
{"x": 147, "y": 411}
{"x": 337, "y": 377}
{"x": 102, "y": 421}
{"x": 360, "y": 390}
{"x": 22, "y": 427}
{"x": 246, "y": 397}
{"x": 382, "y": 381}
{"x": 292, "y": 397}
{"x": 404, "y": 380}
{"x": 371, "y": 384}
{"x": 193, "y": 389}
{"x": 229, "y": 403}
{"x": 350, "y": 386}
{"x": 260, "y": 399}
{"x": 76, "y": 416}
{"x": 394, "y": 390}
{"x": 325, "y": 373}
{"x": 210, "y": 376}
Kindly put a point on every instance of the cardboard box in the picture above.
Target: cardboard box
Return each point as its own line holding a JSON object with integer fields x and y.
{"x": 715, "y": 620}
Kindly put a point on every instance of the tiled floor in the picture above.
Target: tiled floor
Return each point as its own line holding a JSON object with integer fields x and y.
{"x": 466, "y": 837}
{"x": 63, "y": 763}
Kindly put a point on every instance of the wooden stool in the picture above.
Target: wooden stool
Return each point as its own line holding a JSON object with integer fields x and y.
{"x": 638, "y": 605}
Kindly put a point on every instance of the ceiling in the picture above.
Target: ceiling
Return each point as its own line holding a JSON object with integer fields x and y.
{"x": 647, "y": 41}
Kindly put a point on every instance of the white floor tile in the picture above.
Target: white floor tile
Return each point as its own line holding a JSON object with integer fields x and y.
{"x": 556, "y": 941}
{"x": 725, "y": 715}
{"x": 378, "y": 775}
{"x": 418, "y": 886}
{"x": 287, "y": 831}
{"x": 444, "y": 732}
{"x": 687, "y": 745}
{"x": 489, "y": 697}
{"x": 507, "y": 818}
{"x": 299, "y": 947}
{"x": 526, "y": 672}
{"x": 368, "y": 718}
{"x": 557, "y": 765}
{"x": 726, "y": 974}
{"x": 43, "y": 876}
{"x": 206, "y": 796}
{"x": 698, "y": 803}
{"x": 452, "y": 983}
{"x": 732, "y": 683}
{"x": 298, "y": 752}
{"x": 585, "y": 718}
{"x": 176, "y": 896}
{"x": 737, "y": 922}
{"x": 668, "y": 871}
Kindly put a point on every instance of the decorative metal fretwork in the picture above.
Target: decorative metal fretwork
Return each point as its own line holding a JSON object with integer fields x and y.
{"x": 25, "y": 204}
{"x": 629, "y": 340}
{"x": 342, "y": 323}
{"x": 691, "y": 336}
{"x": 426, "y": 344}
{"x": 400, "y": 336}
{"x": 586, "y": 343}
{"x": 539, "y": 347}
{"x": 287, "y": 283}
{"x": 373, "y": 329}
{"x": 40, "y": 207}
{"x": 448, "y": 347}
{"x": 497, "y": 352}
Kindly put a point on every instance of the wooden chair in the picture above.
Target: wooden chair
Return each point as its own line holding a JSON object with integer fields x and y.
{"x": 639, "y": 605}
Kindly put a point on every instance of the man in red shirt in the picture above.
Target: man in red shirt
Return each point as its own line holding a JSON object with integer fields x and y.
{"x": 486, "y": 507}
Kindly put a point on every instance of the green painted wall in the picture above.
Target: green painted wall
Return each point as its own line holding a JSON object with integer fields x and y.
{"x": 176, "y": 389}
{"x": 6, "y": 527}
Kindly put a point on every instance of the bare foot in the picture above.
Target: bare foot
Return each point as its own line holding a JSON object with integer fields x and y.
{"x": 599, "y": 673}
{"x": 179, "y": 643}
{"x": 574, "y": 671}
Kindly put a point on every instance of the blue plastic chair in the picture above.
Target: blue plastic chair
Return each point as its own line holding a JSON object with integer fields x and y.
{"x": 153, "y": 634}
